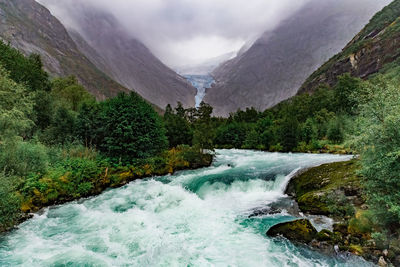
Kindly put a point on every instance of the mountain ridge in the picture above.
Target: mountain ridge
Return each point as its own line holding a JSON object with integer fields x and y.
{"x": 277, "y": 64}
{"x": 124, "y": 58}
{"x": 30, "y": 27}
{"x": 373, "y": 49}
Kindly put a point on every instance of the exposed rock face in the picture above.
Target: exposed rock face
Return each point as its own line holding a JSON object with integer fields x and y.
{"x": 369, "y": 52}
{"x": 29, "y": 27}
{"x": 103, "y": 57}
{"x": 278, "y": 63}
{"x": 127, "y": 60}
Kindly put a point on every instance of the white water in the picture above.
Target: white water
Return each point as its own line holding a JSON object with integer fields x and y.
{"x": 193, "y": 218}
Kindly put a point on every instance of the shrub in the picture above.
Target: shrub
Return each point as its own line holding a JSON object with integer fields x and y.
{"x": 9, "y": 201}
{"x": 21, "y": 158}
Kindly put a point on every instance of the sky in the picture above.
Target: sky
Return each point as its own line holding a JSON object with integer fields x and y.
{"x": 184, "y": 32}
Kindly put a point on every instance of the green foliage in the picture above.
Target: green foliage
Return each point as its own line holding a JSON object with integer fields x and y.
{"x": 16, "y": 108}
{"x": 62, "y": 128}
{"x": 132, "y": 129}
{"x": 177, "y": 127}
{"x": 231, "y": 134}
{"x": 24, "y": 70}
{"x": 21, "y": 158}
{"x": 309, "y": 130}
{"x": 68, "y": 93}
{"x": 344, "y": 90}
{"x": 43, "y": 108}
{"x": 9, "y": 201}
{"x": 41, "y": 160}
{"x": 89, "y": 126}
{"x": 252, "y": 140}
{"x": 335, "y": 131}
{"x": 378, "y": 141}
{"x": 382, "y": 19}
{"x": 250, "y": 115}
{"x": 288, "y": 132}
{"x": 204, "y": 133}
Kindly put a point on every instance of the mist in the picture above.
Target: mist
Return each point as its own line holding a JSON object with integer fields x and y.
{"x": 182, "y": 32}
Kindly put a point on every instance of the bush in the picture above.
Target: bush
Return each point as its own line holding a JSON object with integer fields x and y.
{"x": 21, "y": 158}
{"x": 378, "y": 141}
{"x": 9, "y": 201}
{"x": 335, "y": 131}
{"x": 16, "y": 108}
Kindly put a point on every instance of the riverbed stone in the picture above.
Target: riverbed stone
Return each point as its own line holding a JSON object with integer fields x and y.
{"x": 299, "y": 231}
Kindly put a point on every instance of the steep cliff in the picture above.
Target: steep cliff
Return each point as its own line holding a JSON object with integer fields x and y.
{"x": 30, "y": 27}
{"x": 375, "y": 49}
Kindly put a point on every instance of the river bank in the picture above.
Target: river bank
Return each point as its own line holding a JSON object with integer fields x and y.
{"x": 81, "y": 180}
{"x": 199, "y": 217}
{"x": 335, "y": 190}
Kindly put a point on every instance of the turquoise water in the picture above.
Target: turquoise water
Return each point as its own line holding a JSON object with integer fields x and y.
{"x": 192, "y": 218}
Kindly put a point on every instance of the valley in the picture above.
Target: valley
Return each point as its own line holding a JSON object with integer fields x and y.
{"x": 151, "y": 133}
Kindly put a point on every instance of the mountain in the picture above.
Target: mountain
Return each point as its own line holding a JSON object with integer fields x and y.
{"x": 375, "y": 49}
{"x": 277, "y": 64}
{"x": 102, "y": 56}
{"x": 102, "y": 39}
{"x": 29, "y": 27}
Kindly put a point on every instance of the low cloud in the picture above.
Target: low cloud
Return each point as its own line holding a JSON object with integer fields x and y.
{"x": 182, "y": 32}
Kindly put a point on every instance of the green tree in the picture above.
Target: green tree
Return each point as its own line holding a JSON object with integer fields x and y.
{"x": 62, "y": 128}
{"x": 204, "y": 133}
{"x": 378, "y": 142}
{"x": 43, "y": 109}
{"x": 16, "y": 108}
{"x": 178, "y": 130}
{"x": 252, "y": 140}
{"x": 344, "y": 90}
{"x": 335, "y": 131}
{"x": 69, "y": 93}
{"x": 132, "y": 129}
{"x": 231, "y": 134}
{"x": 288, "y": 131}
{"x": 309, "y": 130}
{"x": 9, "y": 202}
{"x": 24, "y": 70}
{"x": 89, "y": 126}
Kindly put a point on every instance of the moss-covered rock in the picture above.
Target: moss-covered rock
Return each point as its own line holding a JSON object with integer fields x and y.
{"x": 299, "y": 231}
{"x": 332, "y": 189}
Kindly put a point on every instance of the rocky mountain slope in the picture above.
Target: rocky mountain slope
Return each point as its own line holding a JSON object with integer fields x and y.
{"x": 31, "y": 28}
{"x": 102, "y": 56}
{"x": 276, "y": 65}
{"x": 102, "y": 39}
{"x": 375, "y": 49}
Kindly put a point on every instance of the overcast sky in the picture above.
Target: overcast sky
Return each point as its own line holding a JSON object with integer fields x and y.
{"x": 182, "y": 32}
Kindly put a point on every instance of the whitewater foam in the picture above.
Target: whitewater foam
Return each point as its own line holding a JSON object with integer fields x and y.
{"x": 193, "y": 218}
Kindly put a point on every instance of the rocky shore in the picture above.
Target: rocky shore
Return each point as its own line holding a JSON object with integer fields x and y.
{"x": 335, "y": 190}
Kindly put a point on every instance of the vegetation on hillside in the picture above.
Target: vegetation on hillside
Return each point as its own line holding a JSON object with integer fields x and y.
{"x": 57, "y": 143}
{"x": 373, "y": 50}
{"x": 353, "y": 116}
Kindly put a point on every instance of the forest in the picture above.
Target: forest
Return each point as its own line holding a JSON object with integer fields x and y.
{"x": 57, "y": 143}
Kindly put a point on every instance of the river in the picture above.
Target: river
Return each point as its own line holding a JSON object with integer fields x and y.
{"x": 193, "y": 218}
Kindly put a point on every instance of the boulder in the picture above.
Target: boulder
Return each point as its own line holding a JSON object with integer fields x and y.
{"x": 301, "y": 231}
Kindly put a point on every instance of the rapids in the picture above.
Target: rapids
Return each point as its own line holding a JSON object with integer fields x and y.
{"x": 193, "y": 218}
